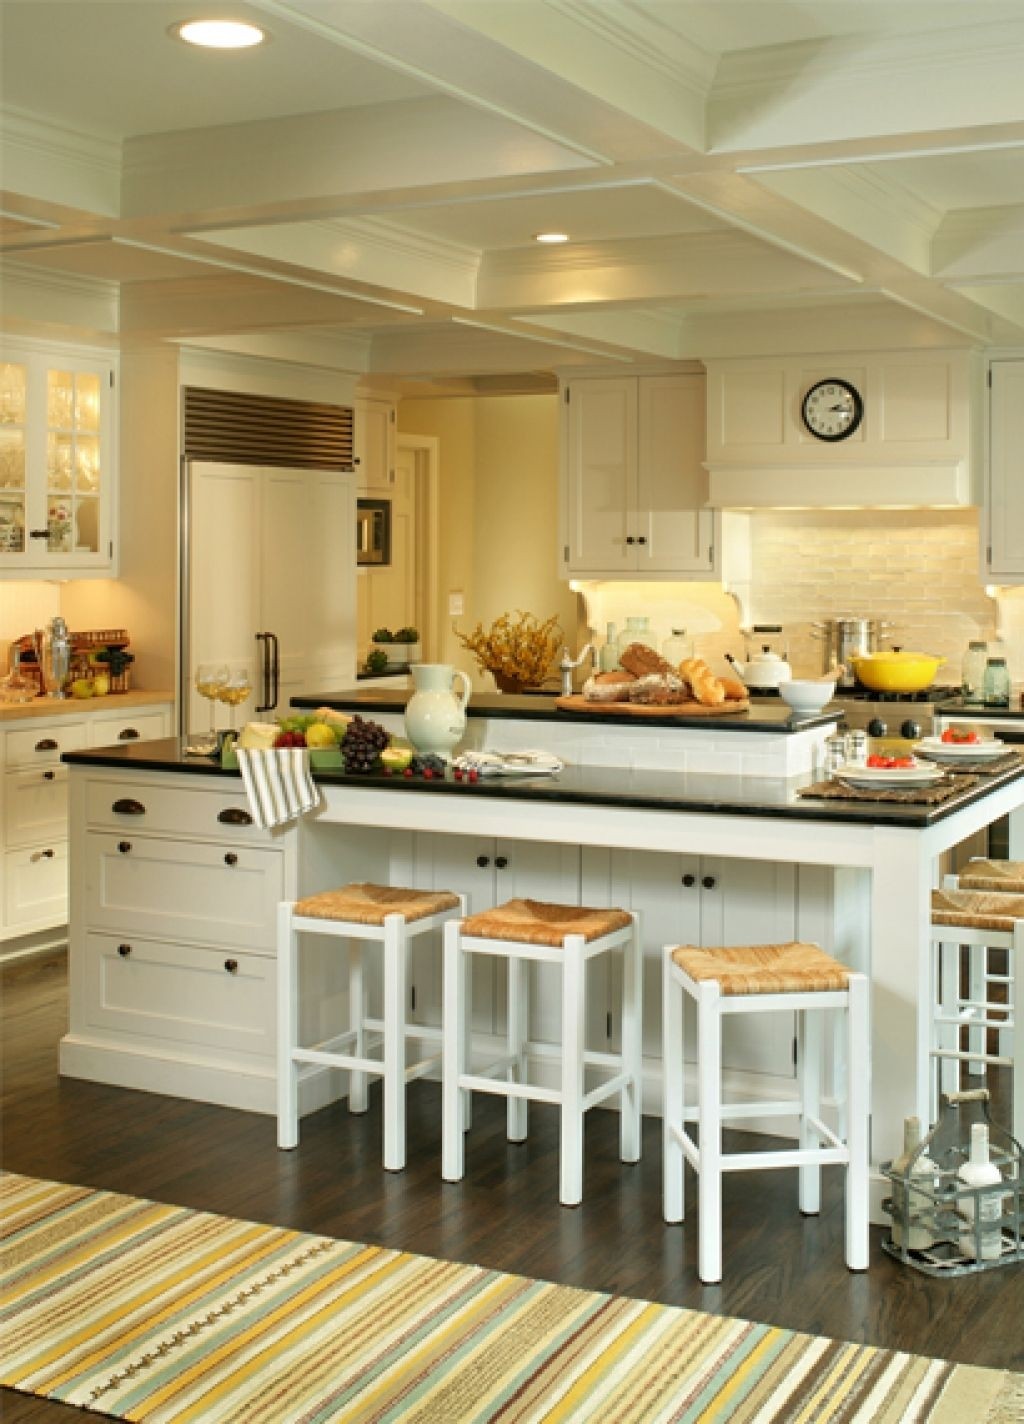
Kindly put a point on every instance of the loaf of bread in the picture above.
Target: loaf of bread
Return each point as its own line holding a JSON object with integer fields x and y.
{"x": 659, "y": 690}
{"x": 609, "y": 687}
{"x": 642, "y": 661}
{"x": 617, "y": 678}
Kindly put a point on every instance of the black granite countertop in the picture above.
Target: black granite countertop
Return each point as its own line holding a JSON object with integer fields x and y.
{"x": 617, "y": 787}
{"x": 766, "y": 715}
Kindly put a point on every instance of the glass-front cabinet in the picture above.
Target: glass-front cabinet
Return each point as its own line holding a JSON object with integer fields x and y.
{"x": 57, "y": 472}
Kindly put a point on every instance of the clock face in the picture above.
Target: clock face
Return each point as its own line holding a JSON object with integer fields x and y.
{"x": 832, "y": 409}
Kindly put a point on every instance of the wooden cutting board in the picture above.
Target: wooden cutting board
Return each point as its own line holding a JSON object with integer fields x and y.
{"x": 637, "y": 709}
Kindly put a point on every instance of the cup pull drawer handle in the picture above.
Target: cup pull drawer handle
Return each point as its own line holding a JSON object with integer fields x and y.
{"x": 49, "y": 775}
{"x": 689, "y": 880}
{"x": 708, "y": 882}
{"x": 127, "y": 807}
{"x": 231, "y": 965}
{"x": 46, "y": 854}
{"x": 47, "y": 745}
{"x": 128, "y": 734}
{"x": 124, "y": 950}
{"x": 234, "y": 816}
{"x": 124, "y": 847}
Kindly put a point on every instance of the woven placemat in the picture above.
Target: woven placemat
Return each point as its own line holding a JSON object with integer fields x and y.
{"x": 990, "y": 766}
{"x": 914, "y": 795}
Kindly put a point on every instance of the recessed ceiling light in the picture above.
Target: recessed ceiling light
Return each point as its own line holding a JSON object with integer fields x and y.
{"x": 219, "y": 34}
{"x": 551, "y": 237}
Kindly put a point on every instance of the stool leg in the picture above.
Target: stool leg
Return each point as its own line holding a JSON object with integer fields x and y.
{"x": 673, "y": 1071}
{"x": 518, "y": 1015}
{"x": 978, "y": 980}
{"x": 709, "y": 1092}
{"x": 859, "y": 1091}
{"x": 573, "y": 1031}
{"x": 946, "y": 1036}
{"x": 357, "y": 1094}
{"x": 453, "y": 1053}
{"x": 287, "y": 1029}
{"x": 840, "y": 1069}
{"x": 630, "y": 1104}
{"x": 809, "y": 1069}
{"x": 395, "y": 976}
{"x": 1016, "y": 1000}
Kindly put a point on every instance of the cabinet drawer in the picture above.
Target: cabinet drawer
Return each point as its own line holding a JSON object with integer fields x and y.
{"x": 205, "y": 811}
{"x": 178, "y": 890}
{"x": 179, "y": 994}
{"x": 42, "y": 746}
{"x": 36, "y": 886}
{"x": 35, "y": 805}
{"x": 128, "y": 726}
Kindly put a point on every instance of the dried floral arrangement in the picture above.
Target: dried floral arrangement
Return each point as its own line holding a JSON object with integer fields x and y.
{"x": 517, "y": 648}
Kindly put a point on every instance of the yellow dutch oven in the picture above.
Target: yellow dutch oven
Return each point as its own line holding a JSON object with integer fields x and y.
{"x": 895, "y": 670}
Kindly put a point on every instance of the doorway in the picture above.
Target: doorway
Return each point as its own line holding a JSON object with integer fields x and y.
{"x": 403, "y": 594}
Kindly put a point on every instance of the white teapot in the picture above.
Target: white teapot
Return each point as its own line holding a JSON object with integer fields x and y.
{"x": 764, "y": 670}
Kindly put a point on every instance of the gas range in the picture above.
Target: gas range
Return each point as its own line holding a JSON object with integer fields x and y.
{"x": 892, "y": 714}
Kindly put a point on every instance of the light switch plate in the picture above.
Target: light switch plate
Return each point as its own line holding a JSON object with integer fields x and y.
{"x": 456, "y": 605}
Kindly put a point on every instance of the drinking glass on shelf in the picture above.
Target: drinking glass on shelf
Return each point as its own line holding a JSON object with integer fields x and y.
{"x": 210, "y": 678}
{"x": 235, "y": 688}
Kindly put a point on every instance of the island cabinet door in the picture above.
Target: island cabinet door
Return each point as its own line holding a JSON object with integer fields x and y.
{"x": 707, "y": 901}
{"x": 489, "y": 872}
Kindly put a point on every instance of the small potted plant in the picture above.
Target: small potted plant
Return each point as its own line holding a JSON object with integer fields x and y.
{"x": 401, "y": 648}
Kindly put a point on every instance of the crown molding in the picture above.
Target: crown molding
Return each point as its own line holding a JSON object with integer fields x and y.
{"x": 395, "y": 238}
{"x": 49, "y": 140}
{"x": 70, "y": 283}
{"x": 621, "y": 25}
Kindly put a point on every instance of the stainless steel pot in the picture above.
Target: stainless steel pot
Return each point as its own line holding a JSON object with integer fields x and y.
{"x": 845, "y": 636}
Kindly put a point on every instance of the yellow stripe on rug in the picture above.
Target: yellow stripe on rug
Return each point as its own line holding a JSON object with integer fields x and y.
{"x": 161, "y": 1315}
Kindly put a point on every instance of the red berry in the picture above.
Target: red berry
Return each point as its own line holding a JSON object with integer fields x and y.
{"x": 407, "y": 771}
{"x": 427, "y": 774}
{"x": 474, "y": 775}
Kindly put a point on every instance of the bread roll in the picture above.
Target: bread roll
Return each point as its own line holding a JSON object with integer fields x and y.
{"x": 734, "y": 689}
{"x": 707, "y": 689}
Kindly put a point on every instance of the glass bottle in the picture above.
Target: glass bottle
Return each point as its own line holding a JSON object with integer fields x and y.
{"x": 997, "y": 683}
{"x": 637, "y": 630}
{"x": 972, "y": 680}
{"x": 609, "y": 655}
{"x": 678, "y": 647}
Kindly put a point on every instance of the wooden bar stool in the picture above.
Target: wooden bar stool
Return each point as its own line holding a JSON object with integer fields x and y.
{"x": 982, "y": 919}
{"x": 528, "y": 932}
{"x": 748, "y": 979}
{"x": 361, "y": 914}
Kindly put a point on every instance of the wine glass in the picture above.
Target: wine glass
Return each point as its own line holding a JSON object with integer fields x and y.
{"x": 210, "y": 678}
{"x": 235, "y": 688}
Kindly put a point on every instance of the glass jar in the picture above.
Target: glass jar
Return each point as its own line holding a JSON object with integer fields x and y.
{"x": 972, "y": 679}
{"x": 997, "y": 683}
{"x": 637, "y": 630}
{"x": 678, "y": 647}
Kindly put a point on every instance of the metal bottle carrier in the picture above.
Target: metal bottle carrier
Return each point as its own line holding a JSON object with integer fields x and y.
{"x": 956, "y": 1216}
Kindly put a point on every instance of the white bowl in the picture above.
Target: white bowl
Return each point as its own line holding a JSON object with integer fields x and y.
{"x": 806, "y": 697}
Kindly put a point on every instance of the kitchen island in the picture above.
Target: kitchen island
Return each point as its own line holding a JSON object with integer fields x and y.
{"x": 172, "y": 929}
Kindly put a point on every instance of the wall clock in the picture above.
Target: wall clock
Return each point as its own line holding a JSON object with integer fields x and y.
{"x": 832, "y": 409}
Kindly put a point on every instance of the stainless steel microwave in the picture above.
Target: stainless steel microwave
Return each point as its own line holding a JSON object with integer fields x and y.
{"x": 373, "y": 531}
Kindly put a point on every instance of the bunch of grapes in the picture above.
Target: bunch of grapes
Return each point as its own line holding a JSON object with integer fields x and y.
{"x": 428, "y": 766}
{"x": 362, "y": 744}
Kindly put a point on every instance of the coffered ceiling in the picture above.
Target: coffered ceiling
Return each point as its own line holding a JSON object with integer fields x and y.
{"x": 735, "y": 176}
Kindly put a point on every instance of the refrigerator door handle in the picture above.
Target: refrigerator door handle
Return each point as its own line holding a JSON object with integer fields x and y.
{"x": 275, "y": 667}
{"x": 264, "y": 659}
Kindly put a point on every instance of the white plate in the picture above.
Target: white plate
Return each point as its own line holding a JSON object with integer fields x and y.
{"x": 962, "y": 751}
{"x": 889, "y": 776}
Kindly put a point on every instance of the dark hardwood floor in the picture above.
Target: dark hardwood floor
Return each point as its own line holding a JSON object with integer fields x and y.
{"x": 779, "y": 1267}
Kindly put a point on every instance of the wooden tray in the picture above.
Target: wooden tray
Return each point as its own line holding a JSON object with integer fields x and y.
{"x": 577, "y": 703}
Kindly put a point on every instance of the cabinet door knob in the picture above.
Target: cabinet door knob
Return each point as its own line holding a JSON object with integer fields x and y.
{"x": 483, "y": 861}
{"x": 124, "y": 950}
{"x": 501, "y": 861}
{"x": 231, "y": 965}
{"x": 49, "y": 775}
{"x": 708, "y": 881}
{"x": 231, "y": 858}
{"x": 630, "y": 539}
{"x": 642, "y": 539}
{"x": 125, "y": 806}
{"x": 689, "y": 880}
{"x": 128, "y": 734}
{"x": 124, "y": 847}
{"x": 234, "y": 816}
{"x": 46, "y": 745}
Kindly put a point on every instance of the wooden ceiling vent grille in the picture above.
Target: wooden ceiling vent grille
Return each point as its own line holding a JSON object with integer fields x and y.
{"x": 241, "y": 429}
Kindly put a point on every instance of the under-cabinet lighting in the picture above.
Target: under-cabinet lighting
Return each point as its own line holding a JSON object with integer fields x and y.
{"x": 551, "y": 237}
{"x": 219, "y": 34}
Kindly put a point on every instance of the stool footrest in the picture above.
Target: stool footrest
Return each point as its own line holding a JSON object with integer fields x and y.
{"x": 995, "y": 1059}
{"x": 478, "y": 1084}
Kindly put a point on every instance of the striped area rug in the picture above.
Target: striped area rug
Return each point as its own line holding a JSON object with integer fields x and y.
{"x": 156, "y": 1313}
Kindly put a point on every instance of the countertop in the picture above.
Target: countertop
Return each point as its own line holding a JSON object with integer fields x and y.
{"x": 617, "y": 787}
{"x": 767, "y": 715}
{"x": 113, "y": 702}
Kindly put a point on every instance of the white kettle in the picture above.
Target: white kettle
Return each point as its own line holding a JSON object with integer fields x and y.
{"x": 765, "y": 670}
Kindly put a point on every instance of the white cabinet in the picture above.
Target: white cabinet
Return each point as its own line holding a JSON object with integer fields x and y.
{"x": 57, "y": 463}
{"x": 1004, "y": 554}
{"x": 374, "y": 434}
{"x": 34, "y": 809}
{"x": 271, "y": 581}
{"x": 634, "y": 487}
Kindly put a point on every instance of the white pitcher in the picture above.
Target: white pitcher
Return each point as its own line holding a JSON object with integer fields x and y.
{"x": 435, "y": 719}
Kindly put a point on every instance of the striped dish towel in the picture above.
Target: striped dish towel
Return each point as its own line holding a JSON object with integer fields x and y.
{"x": 278, "y": 783}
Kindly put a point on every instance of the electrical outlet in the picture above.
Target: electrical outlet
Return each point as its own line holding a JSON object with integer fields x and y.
{"x": 456, "y": 605}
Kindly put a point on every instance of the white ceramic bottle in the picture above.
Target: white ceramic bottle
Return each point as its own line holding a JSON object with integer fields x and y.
{"x": 980, "y": 1235}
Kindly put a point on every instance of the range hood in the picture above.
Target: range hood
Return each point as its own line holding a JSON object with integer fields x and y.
{"x": 939, "y": 484}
